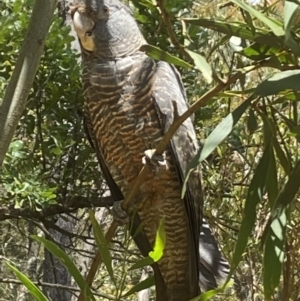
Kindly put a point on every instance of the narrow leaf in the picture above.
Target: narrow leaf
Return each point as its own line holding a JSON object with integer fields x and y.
{"x": 272, "y": 183}
{"x": 281, "y": 81}
{"x": 274, "y": 253}
{"x": 212, "y": 293}
{"x": 287, "y": 195}
{"x": 102, "y": 245}
{"x": 146, "y": 261}
{"x": 285, "y": 163}
{"x": 275, "y": 232}
{"x": 145, "y": 284}
{"x": 32, "y": 288}
{"x": 215, "y": 138}
{"x": 290, "y": 9}
{"x": 223, "y": 129}
{"x": 257, "y": 52}
{"x": 67, "y": 262}
{"x": 239, "y": 30}
{"x": 254, "y": 196}
{"x": 158, "y": 250}
{"x": 160, "y": 242}
{"x": 158, "y": 54}
{"x": 202, "y": 65}
{"x": 277, "y": 30}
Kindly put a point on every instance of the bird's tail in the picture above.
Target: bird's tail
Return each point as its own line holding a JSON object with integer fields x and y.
{"x": 214, "y": 268}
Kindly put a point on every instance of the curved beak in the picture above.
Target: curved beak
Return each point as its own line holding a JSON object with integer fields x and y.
{"x": 83, "y": 27}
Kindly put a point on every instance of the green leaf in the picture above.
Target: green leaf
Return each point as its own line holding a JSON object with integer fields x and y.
{"x": 215, "y": 138}
{"x": 254, "y": 196}
{"x": 257, "y": 52}
{"x": 211, "y": 293}
{"x": 269, "y": 138}
{"x": 202, "y": 65}
{"x": 275, "y": 232}
{"x": 158, "y": 54}
{"x": 290, "y": 9}
{"x": 158, "y": 250}
{"x": 277, "y": 30}
{"x": 67, "y": 262}
{"x": 239, "y": 30}
{"x": 290, "y": 189}
{"x": 146, "y": 261}
{"x": 285, "y": 163}
{"x": 140, "y": 286}
{"x": 160, "y": 242}
{"x": 102, "y": 245}
{"x": 32, "y": 288}
{"x": 272, "y": 183}
{"x": 281, "y": 81}
{"x": 274, "y": 253}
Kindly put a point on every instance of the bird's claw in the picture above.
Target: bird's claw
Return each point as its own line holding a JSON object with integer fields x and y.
{"x": 155, "y": 162}
{"x": 119, "y": 214}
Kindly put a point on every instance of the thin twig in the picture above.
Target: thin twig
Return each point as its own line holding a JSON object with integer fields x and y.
{"x": 54, "y": 285}
{"x": 75, "y": 203}
{"x": 171, "y": 32}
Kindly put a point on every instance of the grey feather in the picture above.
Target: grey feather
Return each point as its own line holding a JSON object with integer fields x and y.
{"x": 129, "y": 106}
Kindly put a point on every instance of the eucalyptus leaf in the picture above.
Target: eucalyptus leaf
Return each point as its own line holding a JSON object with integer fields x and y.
{"x": 215, "y": 138}
{"x": 202, "y": 65}
{"x": 277, "y": 29}
{"x": 159, "y": 54}
{"x": 32, "y": 288}
{"x": 145, "y": 284}
{"x": 278, "y": 82}
{"x": 254, "y": 197}
{"x": 67, "y": 262}
{"x": 102, "y": 245}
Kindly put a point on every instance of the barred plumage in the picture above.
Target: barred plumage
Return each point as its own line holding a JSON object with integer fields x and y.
{"x": 129, "y": 106}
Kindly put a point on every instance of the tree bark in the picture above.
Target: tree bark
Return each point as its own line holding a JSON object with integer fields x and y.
{"x": 17, "y": 91}
{"x": 54, "y": 270}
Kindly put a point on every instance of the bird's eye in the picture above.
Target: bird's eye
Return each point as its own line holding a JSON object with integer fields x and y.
{"x": 88, "y": 33}
{"x": 105, "y": 9}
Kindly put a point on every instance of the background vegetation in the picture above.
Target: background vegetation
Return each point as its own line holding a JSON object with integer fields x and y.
{"x": 50, "y": 175}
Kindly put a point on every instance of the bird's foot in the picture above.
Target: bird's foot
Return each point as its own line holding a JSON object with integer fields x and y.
{"x": 155, "y": 162}
{"x": 119, "y": 214}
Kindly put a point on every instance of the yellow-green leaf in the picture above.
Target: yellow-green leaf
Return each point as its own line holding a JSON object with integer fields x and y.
{"x": 160, "y": 242}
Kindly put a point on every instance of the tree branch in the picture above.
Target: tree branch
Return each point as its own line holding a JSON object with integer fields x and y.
{"x": 18, "y": 89}
{"x": 171, "y": 32}
{"x": 10, "y": 212}
{"x": 55, "y": 285}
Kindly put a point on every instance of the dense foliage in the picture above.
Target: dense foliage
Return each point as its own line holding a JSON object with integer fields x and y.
{"x": 249, "y": 130}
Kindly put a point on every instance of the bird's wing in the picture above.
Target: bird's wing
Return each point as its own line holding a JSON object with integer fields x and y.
{"x": 212, "y": 268}
{"x": 169, "y": 95}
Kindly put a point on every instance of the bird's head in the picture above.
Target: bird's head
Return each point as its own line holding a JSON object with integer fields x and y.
{"x": 106, "y": 28}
